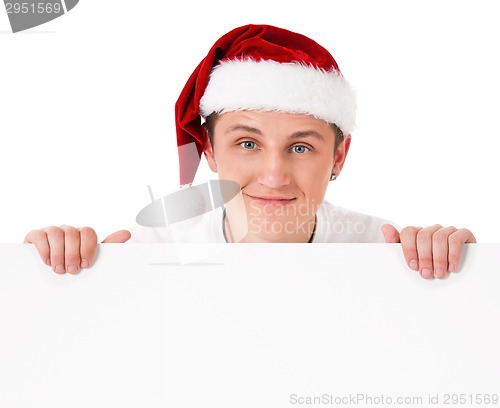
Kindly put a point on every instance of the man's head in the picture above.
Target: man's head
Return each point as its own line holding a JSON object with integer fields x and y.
{"x": 276, "y": 109}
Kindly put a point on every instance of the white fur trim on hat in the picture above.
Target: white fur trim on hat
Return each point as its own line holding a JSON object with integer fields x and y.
{"x": 283, "y": 87}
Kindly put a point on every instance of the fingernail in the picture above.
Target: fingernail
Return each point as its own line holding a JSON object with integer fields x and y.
{"x": 439, "y": 273}
{"x": 426, "y": 273}
{"x": 47, "y": 262}
{"x": 59, "y": 268}
{"x": 84, "y": 263}
{"x": 414, "y": 265}
{"x": 72, "y": 269}
{"x": 451, "y": 267}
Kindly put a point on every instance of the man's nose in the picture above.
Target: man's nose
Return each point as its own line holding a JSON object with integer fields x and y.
{"x": 274, "y": 171}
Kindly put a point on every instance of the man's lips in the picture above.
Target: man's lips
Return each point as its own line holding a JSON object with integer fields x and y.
{"x": 273, "y": 200}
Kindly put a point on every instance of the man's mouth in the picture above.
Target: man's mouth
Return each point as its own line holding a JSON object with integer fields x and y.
{"x": 271, "y": 199}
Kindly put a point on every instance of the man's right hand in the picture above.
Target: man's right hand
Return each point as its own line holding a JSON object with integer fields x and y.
{"x": 68, "y": 249}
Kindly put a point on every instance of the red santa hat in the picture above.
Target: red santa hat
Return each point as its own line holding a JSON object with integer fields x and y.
{"x": 260, "y": 67}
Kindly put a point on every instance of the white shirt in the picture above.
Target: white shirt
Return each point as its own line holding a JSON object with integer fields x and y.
{"x": 334, "y": 224}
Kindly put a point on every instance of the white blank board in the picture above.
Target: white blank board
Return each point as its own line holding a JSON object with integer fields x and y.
{"x": 247, "y": 325}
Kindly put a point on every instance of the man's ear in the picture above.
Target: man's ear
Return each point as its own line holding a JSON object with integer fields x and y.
{"x": 341, "y": 154}
{"x": 208, "y": 151}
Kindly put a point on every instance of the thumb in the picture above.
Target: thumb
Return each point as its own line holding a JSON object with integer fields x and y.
{"x": 118, "y": 237}
{"x": 391, "y": 234}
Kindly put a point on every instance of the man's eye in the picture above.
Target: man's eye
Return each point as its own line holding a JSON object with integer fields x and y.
{"x": 300, "y": 149}
{"x": 248, "y": 145}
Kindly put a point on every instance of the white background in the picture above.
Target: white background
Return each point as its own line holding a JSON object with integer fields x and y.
{"x": 87, "y": 107}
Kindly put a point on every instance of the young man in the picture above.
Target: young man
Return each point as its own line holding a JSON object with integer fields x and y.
{"x": 278, "y": 121}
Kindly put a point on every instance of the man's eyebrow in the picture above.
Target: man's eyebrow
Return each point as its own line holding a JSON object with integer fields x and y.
{"x": 307, "y": 133}
{"x": 295, "y": 135}
{"x": 245, "y": 128}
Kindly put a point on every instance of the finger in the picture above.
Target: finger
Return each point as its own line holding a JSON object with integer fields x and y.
{"x": 39, "y": 239}
{"x": 55, "y": 236}
{"x": 455, "y": 243}
{"x": 88, "y": 244}
{"x": 440, "y": 251}
{"x": 118, "y": 237}
{"x": 71, "y": 249}
{"x": 408, "y": 237}
{"x": 424, "y": 249}
{"x": 391, "y": 234}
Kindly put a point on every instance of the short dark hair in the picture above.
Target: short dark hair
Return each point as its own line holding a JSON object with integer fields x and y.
{"x": 211, "y": 120}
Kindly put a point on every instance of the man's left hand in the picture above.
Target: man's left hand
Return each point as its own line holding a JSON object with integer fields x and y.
{"x": 433, "y": 251}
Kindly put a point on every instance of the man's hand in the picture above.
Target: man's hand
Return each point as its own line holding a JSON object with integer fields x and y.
{"x": 68, "y": 249}
{"x": 433, "y": 251}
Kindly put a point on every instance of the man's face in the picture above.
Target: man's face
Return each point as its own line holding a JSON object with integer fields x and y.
{"x": 283, "y": 163}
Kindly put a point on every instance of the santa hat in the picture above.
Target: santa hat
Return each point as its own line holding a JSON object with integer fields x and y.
{"x": 260, "y": 67}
